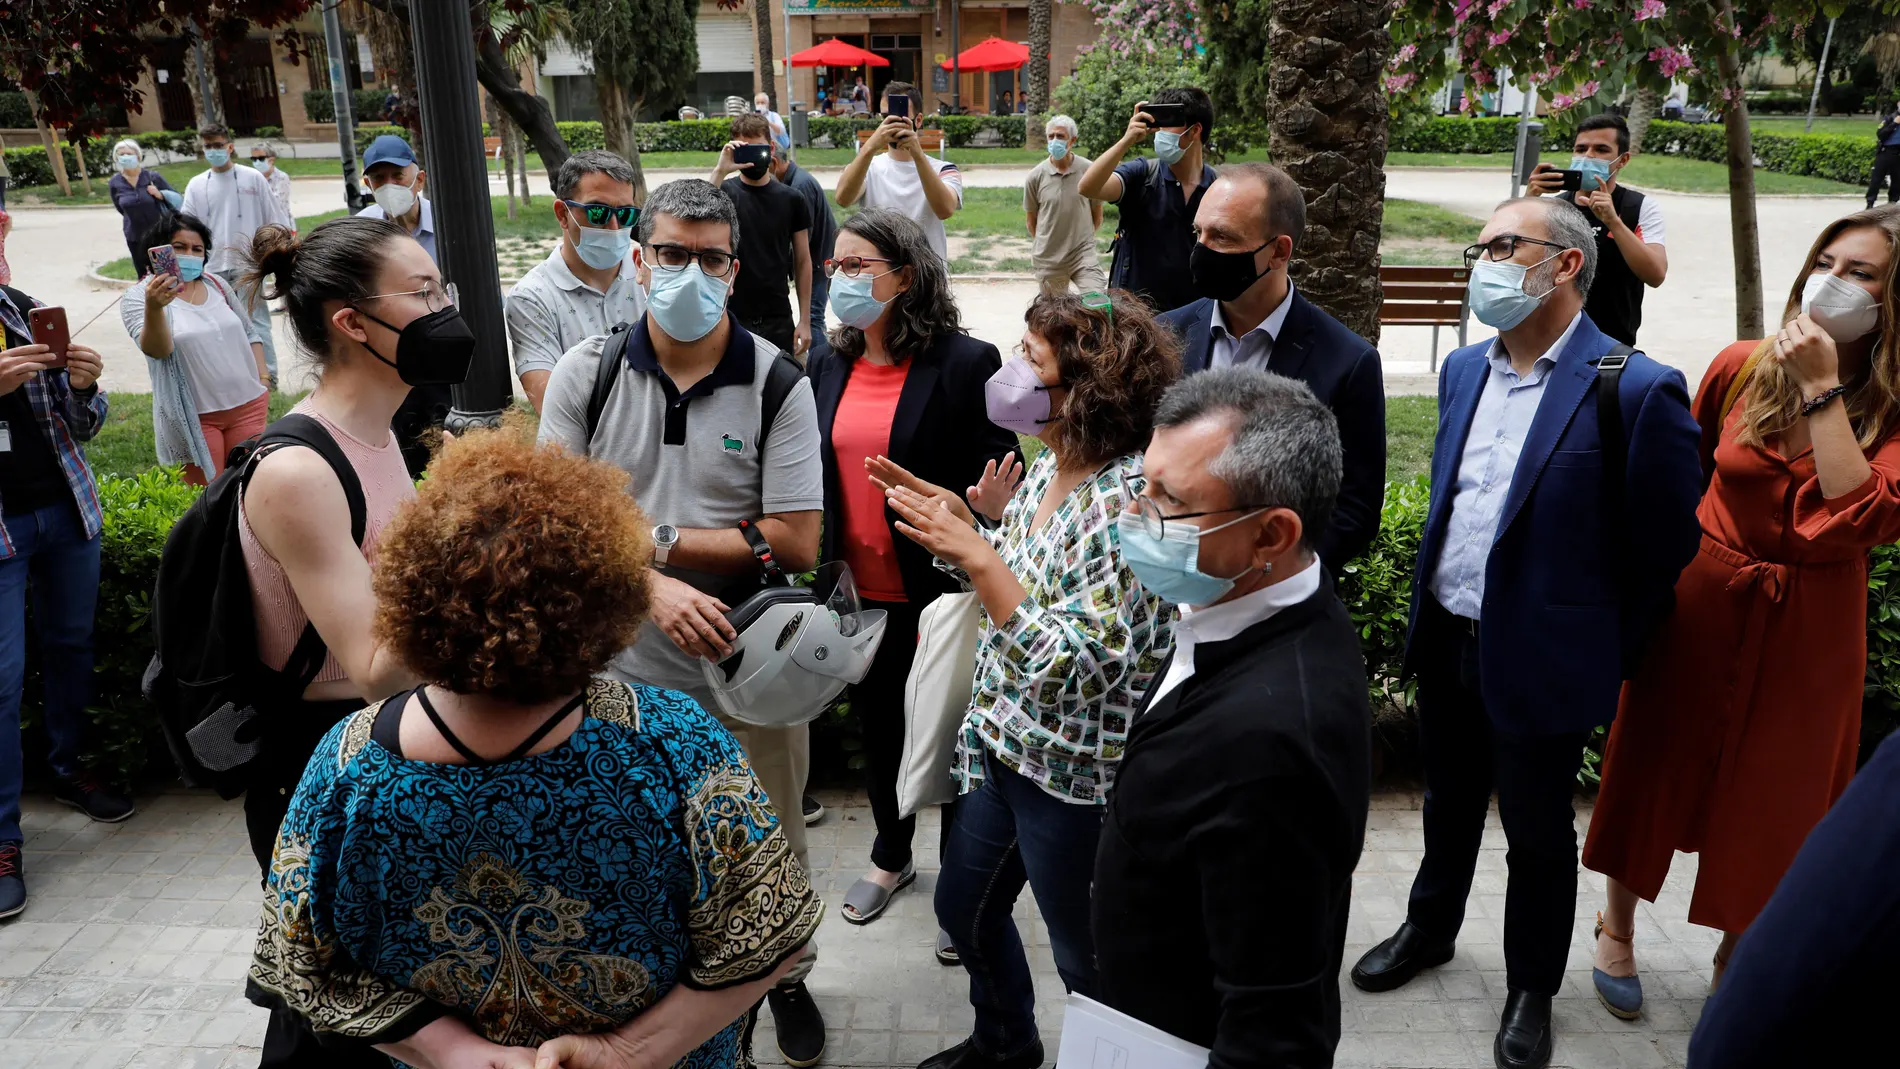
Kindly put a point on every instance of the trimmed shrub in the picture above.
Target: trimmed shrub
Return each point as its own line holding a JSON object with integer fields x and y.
{"x": 319, "y": 105}
{"x": 14, "y": 114}
{"x": 1841, "y": 157}
{"x": 29, "y": 167}
{"x": 1103, "y": 92}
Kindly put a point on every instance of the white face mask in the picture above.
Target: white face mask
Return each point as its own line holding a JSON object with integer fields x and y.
{"x": 1844, "y": 310}
{"x": 396, "y": 200}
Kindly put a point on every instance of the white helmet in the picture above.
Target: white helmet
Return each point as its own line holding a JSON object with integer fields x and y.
{"x": 797, "y": 649}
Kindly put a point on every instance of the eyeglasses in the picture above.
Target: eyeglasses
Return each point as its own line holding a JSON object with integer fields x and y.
{"x": 1154, "y": 523}
{"x": 596, "y": 215}
{"x": 1100, "y": 301}
{"x": 852, "y": 266}
{"x": 435, "y": 296}
{"x": 1503, "y": 247}
{"x": 715, "y": 262}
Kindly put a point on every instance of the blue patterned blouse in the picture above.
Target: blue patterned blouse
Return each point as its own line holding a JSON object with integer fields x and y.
{"x": 563, "y": 892}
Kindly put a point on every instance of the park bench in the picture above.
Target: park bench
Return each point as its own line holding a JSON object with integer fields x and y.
{"x": 930, "y": 136}
{"x": 491, "y": 148}
{"x": 1432, "y": 297}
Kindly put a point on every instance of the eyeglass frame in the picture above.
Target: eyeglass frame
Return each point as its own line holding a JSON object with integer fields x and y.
{"x": 453, "y": 296}
{"x": 588, "y": 209}
{"x": 1474, "y": 253}
{"x": 692, "y": 256}
{"x": 835, "y": 264}
{"x": 1154, "y": 522}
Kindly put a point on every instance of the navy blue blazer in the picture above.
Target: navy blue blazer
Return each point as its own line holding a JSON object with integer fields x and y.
{"x": 1342, "y": 369}
{"x": 1568, "y": 603}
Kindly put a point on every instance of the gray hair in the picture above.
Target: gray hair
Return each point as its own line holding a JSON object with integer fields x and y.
{"x": 592, "y": 161}
{"x": 1285, "y": 450}
{"x": 128, "y": 143}
{"x": 1570, "y": 228}
{"x": 692, "y": 200}
{"x": 1063, "y": 122}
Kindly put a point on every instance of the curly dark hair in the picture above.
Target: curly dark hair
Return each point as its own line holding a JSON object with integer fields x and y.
{"x": 517, "y": 572}
{"x": 1116, "y": 371}
{"x": 920, "y": 314}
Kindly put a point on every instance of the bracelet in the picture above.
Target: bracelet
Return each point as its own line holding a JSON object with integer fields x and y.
{"x": 1809, "y": 408}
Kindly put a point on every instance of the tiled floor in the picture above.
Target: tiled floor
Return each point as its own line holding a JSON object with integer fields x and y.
{"x": 134, "y": 946}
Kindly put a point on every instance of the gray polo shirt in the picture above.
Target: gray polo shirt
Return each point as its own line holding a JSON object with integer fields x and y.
{"x": 694, "y": 457}
{"x": 551, "y": 310}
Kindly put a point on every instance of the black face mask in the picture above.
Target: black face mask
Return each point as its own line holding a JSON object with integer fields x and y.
{"x": 433, "y": 350}
{"x": 753, "y": 160}
{"x": 1224, "y": 276}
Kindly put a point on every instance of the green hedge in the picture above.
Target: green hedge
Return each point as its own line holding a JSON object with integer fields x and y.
{"x": 319, "y": 105}
{"x": 14, "y": 114}
{"x": 1841, "y": 157}
{"x": 1463, "y": 134}
{"x": 29, "y": 167}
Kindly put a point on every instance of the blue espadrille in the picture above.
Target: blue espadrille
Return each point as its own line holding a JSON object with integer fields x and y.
{"x": 1621, "y": 995}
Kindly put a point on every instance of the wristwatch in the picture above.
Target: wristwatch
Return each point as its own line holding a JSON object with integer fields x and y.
{"x": 665, "y": 537}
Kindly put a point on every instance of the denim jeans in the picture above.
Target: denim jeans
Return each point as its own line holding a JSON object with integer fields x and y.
{"x": 55, "y": 560}
{"x": 1010, "y": 832}
{"x": 820, "y": 290}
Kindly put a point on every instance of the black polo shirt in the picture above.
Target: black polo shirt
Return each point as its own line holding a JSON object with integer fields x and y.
{"x": 1157, "y": 233}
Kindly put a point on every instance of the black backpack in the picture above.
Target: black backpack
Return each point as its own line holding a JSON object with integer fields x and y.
{"x": 205, "y": 677}
{"x": 779, "y": 381}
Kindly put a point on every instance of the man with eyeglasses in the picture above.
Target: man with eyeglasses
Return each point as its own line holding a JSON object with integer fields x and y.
{"x": 776, "y": 247}
{"x": 1565, "y": 479}
{"x": 684, "y": 413}
{"x": 1246, "y": 464}
{"x": 586, "y": 285}
{"x": 395, "y": 182}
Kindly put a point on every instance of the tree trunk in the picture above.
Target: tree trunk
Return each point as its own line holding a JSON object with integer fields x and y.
{"x": 763, "y": 80}
{"x": 503, "y": 149}
{"x": 519, "y": 146}
{"x": 1040, "y": 17}
{"x": 1643, "y": 108}
{"x": 79, "y": 160}
{"x": 54, "y": 158}
{"x": 395, "y": 59}
{"x": 1744, "y": 229}
{"x": 1327, "y": 114}
{"x": 616, "y": 119}
{"x": 529, "y": 112}
{"x": 201, "y": 63}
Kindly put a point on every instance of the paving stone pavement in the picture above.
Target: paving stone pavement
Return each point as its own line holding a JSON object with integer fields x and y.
{"x": 133, "y": 949}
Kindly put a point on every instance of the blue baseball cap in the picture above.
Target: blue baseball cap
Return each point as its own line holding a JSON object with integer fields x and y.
{"x": 389, "y": 149}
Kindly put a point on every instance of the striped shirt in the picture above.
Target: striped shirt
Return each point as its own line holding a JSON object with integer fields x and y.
{"x": 66, "y": 417}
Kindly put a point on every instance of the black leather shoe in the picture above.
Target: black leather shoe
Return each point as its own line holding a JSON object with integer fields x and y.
{"x": 798, "y": 1024}
{"x": 1393, "y": 963}
{"x": 965, "y": 1056}
{"x": 1524, "y": 1032}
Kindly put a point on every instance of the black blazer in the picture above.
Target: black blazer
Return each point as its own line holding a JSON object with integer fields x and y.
{"x": 1224, "y": 872}
{"x": 1342, "y": 369}
{"x": 941, "y": 433}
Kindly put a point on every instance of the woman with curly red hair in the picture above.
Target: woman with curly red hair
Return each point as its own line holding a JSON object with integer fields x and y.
{"x": 517, "y": 854}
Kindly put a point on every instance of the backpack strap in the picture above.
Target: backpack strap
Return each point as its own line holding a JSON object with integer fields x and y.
{"x": 613, "y": 356}
{"x": 779, "y": 382}
{"x": 1613, "y": 442}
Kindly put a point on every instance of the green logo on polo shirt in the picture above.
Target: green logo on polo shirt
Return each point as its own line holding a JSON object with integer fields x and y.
{"x": 732, "y": 444}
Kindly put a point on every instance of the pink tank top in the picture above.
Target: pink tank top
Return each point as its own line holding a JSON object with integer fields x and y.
{"x": 280, "y": 617}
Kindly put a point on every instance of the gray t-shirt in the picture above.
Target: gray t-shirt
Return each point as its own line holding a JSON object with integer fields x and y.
{"x": 551, "y": 310}
{"x": 694, "y": 458}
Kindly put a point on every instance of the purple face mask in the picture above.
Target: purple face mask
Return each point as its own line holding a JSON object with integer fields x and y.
{"x": 1016, "y": 398}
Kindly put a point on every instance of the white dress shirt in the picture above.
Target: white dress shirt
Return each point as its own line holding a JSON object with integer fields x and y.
{"x": 1223, "y": 620}
{"x": 1486, "y": 468}
{"x": 1253, "y": 348}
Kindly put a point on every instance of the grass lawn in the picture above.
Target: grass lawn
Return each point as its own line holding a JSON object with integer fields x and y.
{"x": 1410, "y": 423}
{"x": 1668, "y": 173}
{"x": 1864, "y": 125}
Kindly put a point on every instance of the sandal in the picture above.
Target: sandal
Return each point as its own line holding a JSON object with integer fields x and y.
{"x": 867, "y": 900}
{"x": 1621, "y": 995}
{"x": 947, "y": 951}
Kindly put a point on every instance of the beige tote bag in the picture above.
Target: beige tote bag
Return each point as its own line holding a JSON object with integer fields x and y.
{"x": 936, "y": 698}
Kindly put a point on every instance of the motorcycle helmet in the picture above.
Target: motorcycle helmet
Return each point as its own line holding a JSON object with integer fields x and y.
{"x": 798, "y": 648}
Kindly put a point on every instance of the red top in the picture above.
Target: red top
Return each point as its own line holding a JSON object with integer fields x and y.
{"x": 861, "y": 429}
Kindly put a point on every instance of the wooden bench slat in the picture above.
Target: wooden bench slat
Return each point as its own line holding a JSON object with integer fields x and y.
{"x": 1402, "y": 313}
{"x": 1420, "y": 291}
{"x": 1410, "y": 273}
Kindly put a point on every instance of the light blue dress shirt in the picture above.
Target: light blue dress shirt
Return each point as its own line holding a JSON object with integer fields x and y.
{"x": 1499, "y": 426}
{"x": 425, "y": 224}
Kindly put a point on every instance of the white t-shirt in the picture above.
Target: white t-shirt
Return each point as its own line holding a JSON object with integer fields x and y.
{"x": 233, "y": 204}
{"x": 1649, "y": 221}
{"x": 893, "y": 183}
{"x": 209, "y": 341}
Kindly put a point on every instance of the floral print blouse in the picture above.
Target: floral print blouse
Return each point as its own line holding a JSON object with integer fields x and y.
{"x": 563, "y": 892}
{"x": 1058, "y": 681}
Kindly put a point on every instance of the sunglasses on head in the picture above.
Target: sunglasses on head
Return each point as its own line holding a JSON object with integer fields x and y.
{"x": 596, "y": 215}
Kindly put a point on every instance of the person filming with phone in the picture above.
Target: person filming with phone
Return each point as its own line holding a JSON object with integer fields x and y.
{"x": 1157, "y": 196}
{"x": 774, "y": 239}
{"x": 1628, "y": 225}
{"x": 892, "y": 171}
{"x": 1886, "y": 158}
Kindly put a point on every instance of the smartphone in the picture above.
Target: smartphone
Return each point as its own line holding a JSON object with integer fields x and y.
{"x": 752, "y": 155}
{"x": 49, "y": 329}
{"x": 164, "y": 260}
{"x": 900, "y": 106}
{"x": 1167, "y": 114}
{"x": 1573, "y": 180}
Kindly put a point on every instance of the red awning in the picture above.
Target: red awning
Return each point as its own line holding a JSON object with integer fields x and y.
{"x": 836, "y": 53}
{"x": 991, "y": 54}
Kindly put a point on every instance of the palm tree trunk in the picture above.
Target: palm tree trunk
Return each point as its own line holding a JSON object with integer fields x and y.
{"x": 1744, "y": 228}
{"x": 1040, "y": 18}
{"x": 1329, "y": 133}
{"x": 763, "y": 80}
{"x": 1643, "y": 108}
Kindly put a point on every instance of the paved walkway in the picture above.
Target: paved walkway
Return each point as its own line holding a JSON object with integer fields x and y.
{"x": 134, "y": 946}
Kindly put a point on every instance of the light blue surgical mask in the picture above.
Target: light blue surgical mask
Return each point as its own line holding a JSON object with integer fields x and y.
{"x": 1497, "y": 294}
{"x": 601, "y": 248}
{"x": 1170, "y": 566}
{"x": 217, "y": 157}
{"x": 851, "y": 298}
{"x": 190, "y": 268}
{"x": 1168, "y": 147}
{"x": 127, "y": 162}
{"x": 686, "y": 304}
{"x": 262, "y": 165}
{"x": 1058, "y": 148}
{"x": 1596, "y": 173}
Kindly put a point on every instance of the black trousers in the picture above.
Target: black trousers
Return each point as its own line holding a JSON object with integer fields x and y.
{"x": 879, "y": 703}
{"x": 1886, "y": 169}
{"x": 288, "y": 1041}
{"x": 778, "y": 328}
{"x": 1535, "y": 779}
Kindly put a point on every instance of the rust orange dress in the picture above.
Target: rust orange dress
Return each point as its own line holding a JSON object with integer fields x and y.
{"x": 1740, "y": 730}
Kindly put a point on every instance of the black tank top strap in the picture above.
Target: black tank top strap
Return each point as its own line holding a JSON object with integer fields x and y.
{"x": 386, "y": 729}
{"x": 546, "y": 726}
{"x": 515, "y": 754}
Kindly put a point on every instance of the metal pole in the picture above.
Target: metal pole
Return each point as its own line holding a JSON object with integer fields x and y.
{"x": 785, "y": 104}
{"x": 1814, "y": 97}
{"x": 458, "y": 194}
{"x": 956, "y": 66}
{"x": 345, "y": 106}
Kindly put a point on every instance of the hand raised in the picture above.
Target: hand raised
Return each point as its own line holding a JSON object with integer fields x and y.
{"x": 1809, "y": 354}
{"x": 20, "y": 364}
{"x": 930, "y": 523}
{"x": 997, "y": 485}
{"x": 886, "y": 473}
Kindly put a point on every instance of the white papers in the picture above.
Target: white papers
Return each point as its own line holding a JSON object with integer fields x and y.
{"x": 1096, "y": 1037}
